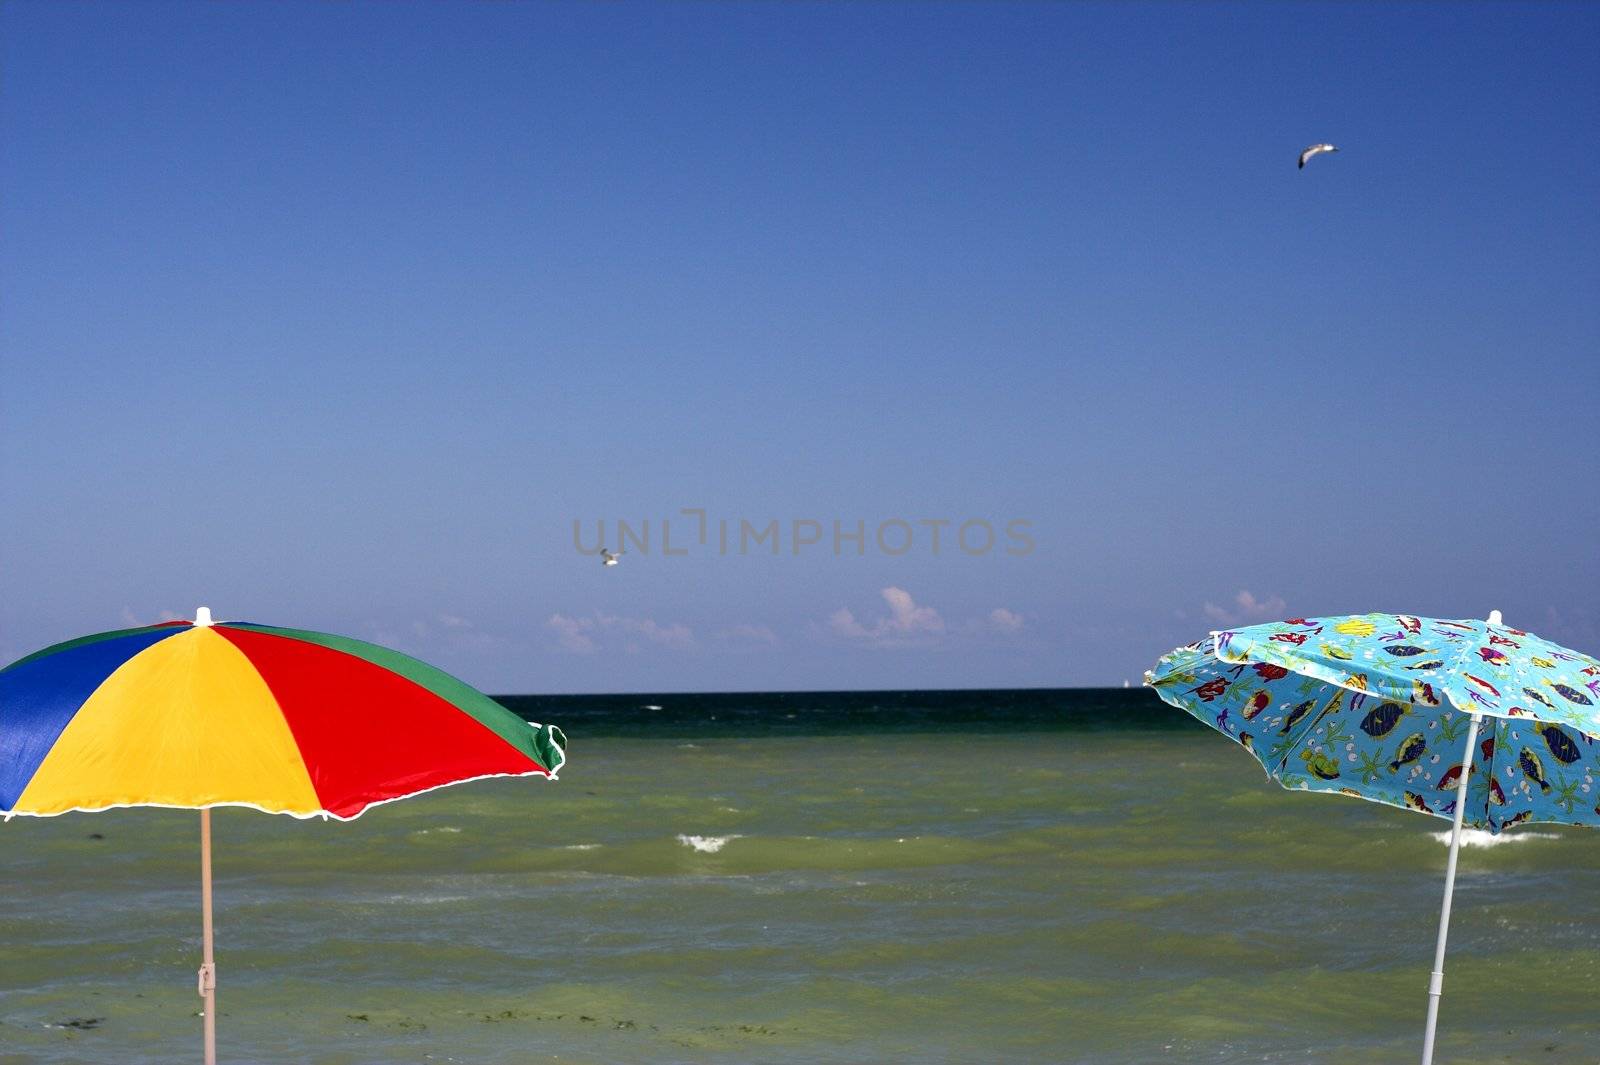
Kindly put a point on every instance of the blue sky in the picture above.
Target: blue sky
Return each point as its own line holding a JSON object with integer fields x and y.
{"x": 341, "y": 315}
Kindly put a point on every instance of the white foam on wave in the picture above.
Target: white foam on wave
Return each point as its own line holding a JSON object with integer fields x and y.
{"x": 451, "y": 829}
{"x": 581, "y": 847}
{"x": 420, "y": 899}
{"x": 706, "y": 844}
{"x": 1477, "y": 837}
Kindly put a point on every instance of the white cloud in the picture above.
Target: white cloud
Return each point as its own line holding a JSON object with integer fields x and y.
{"x": 905, "y": 620}
{"x": 676, "y": 635}
{"x": 910, "y": 624}
{"x": 747, "y": 634}
{"x": 908, "y": 617}
{"x": 844, "y": 623}
{"x": 907, "y": 624}
{"x": 1246, "y": 608}
{"x": 450, "y": 631}
{"x": 1003, "y": 620}
{"x": 584, "y": 635}
{"x": 573, "y": 633}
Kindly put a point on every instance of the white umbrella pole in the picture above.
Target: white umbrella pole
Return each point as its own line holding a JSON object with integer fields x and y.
{"x": 1436, "y": 980}
{"x": 208, "y": 968}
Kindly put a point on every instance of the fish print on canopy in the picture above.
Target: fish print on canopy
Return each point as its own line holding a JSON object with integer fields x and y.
{"x": 1377, "y": 706}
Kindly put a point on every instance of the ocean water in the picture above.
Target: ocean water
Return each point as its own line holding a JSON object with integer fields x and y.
{"x": 1067, "y": 876}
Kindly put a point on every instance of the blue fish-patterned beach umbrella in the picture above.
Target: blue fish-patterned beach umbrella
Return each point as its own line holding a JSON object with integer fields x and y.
{"x": 1392, "y": 708}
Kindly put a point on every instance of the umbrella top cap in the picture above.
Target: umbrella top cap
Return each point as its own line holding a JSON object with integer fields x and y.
{"x": 1494, "y": 618}
{"x": 202, "y": 617}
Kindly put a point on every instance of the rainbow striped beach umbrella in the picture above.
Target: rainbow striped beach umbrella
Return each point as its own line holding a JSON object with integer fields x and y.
{"x": 193, "y": 715}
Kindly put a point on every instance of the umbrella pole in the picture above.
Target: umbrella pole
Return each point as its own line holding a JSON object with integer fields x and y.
{"x": 208, "y": 968}
{"x": 1436, "y": 979}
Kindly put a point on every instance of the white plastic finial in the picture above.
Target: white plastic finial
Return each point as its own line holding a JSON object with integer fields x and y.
{"x": 202, "y": 617}
{"x": 1494, "y": 618}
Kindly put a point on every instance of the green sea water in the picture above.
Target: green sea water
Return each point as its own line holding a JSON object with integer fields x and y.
{"x": 948, "y": 888}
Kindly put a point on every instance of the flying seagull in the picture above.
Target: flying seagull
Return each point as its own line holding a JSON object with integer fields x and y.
{"x": 1315, "y": 149}
{"x": 607, "y": 558}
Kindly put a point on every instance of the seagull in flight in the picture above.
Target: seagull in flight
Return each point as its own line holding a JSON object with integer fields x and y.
{"x": 607, "y": 558}
{"x": 1315, "y": 149}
